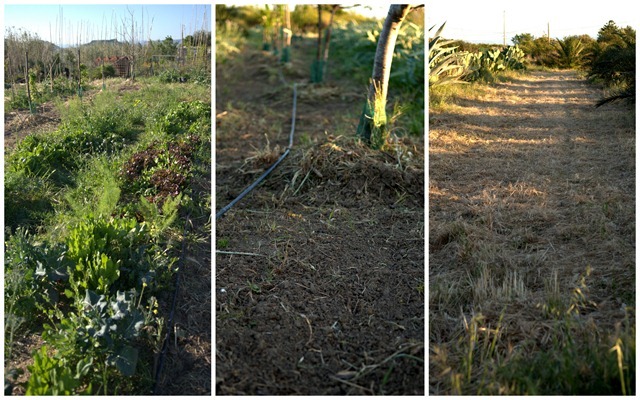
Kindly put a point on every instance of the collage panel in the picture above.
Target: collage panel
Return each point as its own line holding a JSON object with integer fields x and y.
{"x": 107, "y": 199}
{"x": 319, "y": 146}
{"x": 532, "y": 207}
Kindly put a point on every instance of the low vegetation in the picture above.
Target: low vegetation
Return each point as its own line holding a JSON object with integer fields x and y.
{"x": 95, "y": 221}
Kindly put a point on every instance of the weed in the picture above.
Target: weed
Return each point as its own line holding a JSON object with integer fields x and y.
{"x": 255, "y": 288}
{"x": 222, "y": 243}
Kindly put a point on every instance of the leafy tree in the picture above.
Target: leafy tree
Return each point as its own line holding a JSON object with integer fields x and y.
{"x": 165, "y": 47}
{"x": 522, "y": 39}
{"x": 526, "y": 43}
{"x": 614, "y": 61}
{"x": 610, "y": 34}
{"x": 543, "y": 52}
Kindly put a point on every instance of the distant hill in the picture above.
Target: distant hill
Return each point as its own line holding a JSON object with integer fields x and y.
{"x": 115, "y": 41}
{"x": 108, "y": 41}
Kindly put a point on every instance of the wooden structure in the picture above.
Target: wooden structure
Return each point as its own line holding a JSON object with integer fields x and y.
{"x": 122, "y": 64}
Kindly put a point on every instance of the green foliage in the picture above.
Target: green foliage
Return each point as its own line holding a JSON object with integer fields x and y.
{"x": 113, "y": 237}
{"x": 448, "y": 65}
{"x": 108, "y": 70}
{"x": 522, "y": 40}
{"x": 64, "y": 87}
{"x": 445, "y": 64}
{"x": 353, "y": 48}
{"x": 513, "y": 58}
{"x": 614, "y": 62}
{"x": 230, "y": 38}
{"x": 74, "y": 279}
{"x": 170, "y": 76}
{"x": 200, "y": 76}
{"x": 18, "y": 101}
{"x": 96, "y": 272}
{"x": 612, "y": 35}
{"x": 408, "y": 57}
{"x": 182, "y": 117}
{"x": 569, "y": 52}
{"x": 483, "y": 66}
{"x": 28, "y": 199}
{"x": 159, "y": 219}
{"x": 84, "y": 132}
{"x": 373, "y": 122}
{"x": 104, "y": 327}
{"x": 32, "y": 273}
{"x": 33, "y": 88}
{"x": 165, "y": 47}
{"x": 54, "y": 376}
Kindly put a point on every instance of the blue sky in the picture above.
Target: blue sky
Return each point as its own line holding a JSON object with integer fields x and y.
{"x": 67, "y": 22}
{"x": 482, "y": 21}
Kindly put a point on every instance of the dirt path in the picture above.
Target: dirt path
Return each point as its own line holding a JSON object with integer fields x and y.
{"x": 530, "y": 186}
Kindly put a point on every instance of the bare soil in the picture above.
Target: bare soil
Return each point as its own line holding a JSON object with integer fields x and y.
{"x": 531, "y": 195}
{"x": 319, "y": 270}
{"x": 20, "y": 123}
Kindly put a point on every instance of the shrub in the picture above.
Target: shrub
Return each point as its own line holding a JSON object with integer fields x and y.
{"x": 96, "y": 72}
{"x": 614, "y": 62}
{"x": 570, "y": 52}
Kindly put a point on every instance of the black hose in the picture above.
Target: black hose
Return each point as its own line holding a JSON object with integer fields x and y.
{"x": 272, "y": 167}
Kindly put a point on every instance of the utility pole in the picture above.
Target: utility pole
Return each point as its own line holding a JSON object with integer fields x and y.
{"x": 548, "y": 33}
{"x": 504, "y": 26}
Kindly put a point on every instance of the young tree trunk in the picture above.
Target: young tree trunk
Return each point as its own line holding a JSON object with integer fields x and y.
{"x": 51, "y": 76}
{"x": 79, "y": 76}
{"x": 12, "y": 80}
{"x": 327, "y": 38}
{"x": 373, "y": 118}
{"x": 319, "y": 32}
{"x": 26, "y": 77}
{"x": 316, "y": 67}
{"x": 286, "y": 37}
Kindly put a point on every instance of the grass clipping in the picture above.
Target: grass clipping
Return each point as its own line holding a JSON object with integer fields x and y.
{"x": 347, "y": 169}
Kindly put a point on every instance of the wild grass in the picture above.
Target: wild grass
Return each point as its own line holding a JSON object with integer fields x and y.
{"x": 574, "y": 357}
{"x": 230, "y": 37}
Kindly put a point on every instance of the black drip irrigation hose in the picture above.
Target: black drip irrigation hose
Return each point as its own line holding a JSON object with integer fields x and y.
{"x": 165, "y": 345}
{"x": 272, "y": 167}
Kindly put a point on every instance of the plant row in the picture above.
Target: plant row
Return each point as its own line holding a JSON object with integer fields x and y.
{"x": 91, "y": 240}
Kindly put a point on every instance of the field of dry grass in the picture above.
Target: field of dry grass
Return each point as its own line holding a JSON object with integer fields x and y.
{"x": 532, "y": 240}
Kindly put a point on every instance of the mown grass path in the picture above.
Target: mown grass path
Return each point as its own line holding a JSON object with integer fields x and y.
{"x": 532, "y": 196}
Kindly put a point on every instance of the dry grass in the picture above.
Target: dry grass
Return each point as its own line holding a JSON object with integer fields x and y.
{"x": 530, "y": 188}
